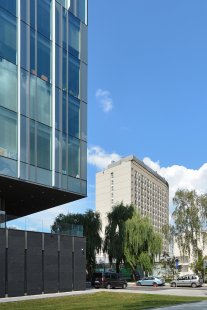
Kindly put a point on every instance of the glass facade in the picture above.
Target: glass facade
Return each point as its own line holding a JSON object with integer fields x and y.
{"x": 43, "y": 108}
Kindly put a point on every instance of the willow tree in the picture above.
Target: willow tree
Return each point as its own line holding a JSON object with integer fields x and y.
{"x": 189, "y": 219}
{"x": 114, "y": 232}
{"x": 141, "y": 243}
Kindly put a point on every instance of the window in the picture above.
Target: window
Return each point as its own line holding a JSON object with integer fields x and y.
{"x": 24, "y": 139}
{"x": 24, "y": 6}
{"x": 24, "y": 93}
{"x": 33, "y": 96}
{"x": 9, "y": 5}
{"x": 43, "y": 58}
{"x": 57, "y": 23}
{"x": 24, "y": 46}
{"x": 73, "y": 157}
{"x": 74, "y": 36}
{"x": 74, "y": 117}
{"x": 43, "y": 102}
{"x": 64, "y": 29}
{"x": 32, "y": 143}
{"x": 43, "y": 17}
{"x": 8, "y": 27}
{"x": 43, "y": 146}
{"x": 8, "y": 133}
{"x": 33, "y": 68}
{"x": 64, "y": 112}
{"x": 8, "y": 85}
{"x": 73, "y": 76}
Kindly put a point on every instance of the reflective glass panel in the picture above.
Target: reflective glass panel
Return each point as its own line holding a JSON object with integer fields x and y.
{"x": 8, "y": 85}
{"x": 74, "y": 117}
{"x": 64, "y": 153}
{"x": 64, "y": 28}
{"x": 64, "y": 112}
{"x": 24, "y": 140}
{"x": 33, "y": 96}
{"x": 24, "y": 6}
{"x": 8, "y": 49}
{"x": 73, "y": 76}
{"x": 43, "y": 58}
{"x": 73, "y": 157}
{"x": 43, "y": 146}
{"x": 8, "y": 133}
{"x": 9, "y": 5}
{"x": 43, "y": 17}
{"x": 74, "y": 36}
{"x": 58, "y": 24}
{"x": 32, "y": 13}
{"x": 43, "y": 102}
{"x": 58, "y": 63}
{"x": 32, "y": 143}
{"x": 24, "y": 92}
{"x": 24, "y": 46}
{"x": 33, "y": 68}
{"x": 57, "y": 107}
{"x": 8, "y": 167}
{"x": 57, "y": 150}
{"x": 64, "y": 70}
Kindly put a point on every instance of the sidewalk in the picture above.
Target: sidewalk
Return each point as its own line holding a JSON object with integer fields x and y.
{"x": 193, "y": 306}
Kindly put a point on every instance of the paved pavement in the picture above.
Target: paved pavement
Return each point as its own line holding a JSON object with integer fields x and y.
{"x": 193, "y": 306}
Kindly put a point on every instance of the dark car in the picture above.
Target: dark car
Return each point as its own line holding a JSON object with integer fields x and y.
{"x": 108, "y": 280}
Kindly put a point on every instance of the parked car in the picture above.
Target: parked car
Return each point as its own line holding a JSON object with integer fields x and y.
{"x": 187, "y": 280}
{"x": 108, "y": 280}
{"x": 154, "y": 281}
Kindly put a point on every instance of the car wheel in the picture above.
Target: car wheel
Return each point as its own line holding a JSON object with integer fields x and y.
{"x": 124, "y": 286}
{"x": 173, "y": 284}
{"x": 155, "y": 284}
{"x": 108, "y": 286}
{"x": 138, "y": 284}
{"x": 193, "y": 285}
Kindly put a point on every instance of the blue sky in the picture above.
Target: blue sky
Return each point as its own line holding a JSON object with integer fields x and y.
{"x": 147, "y": 92}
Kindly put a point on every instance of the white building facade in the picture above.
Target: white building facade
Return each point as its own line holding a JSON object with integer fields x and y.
{"x": 132, "y": 182}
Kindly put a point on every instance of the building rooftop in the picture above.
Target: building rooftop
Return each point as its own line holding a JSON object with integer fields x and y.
{"x": 139, "y": 162}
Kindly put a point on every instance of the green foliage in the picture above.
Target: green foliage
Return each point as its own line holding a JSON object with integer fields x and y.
{"x": 189, "y": 216}
{"x": 141, "y": 243}
{"x": 114, "y": 232}
{"x": 91, "y": 223}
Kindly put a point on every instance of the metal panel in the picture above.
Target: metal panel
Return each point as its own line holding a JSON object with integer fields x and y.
{"x": 2, "y": 260}
{"x": 51, "y": 263}
{"x": 16, "y": 247}
{"x": 65, "y": 263}
{"x": 79, "y": 264}
{"x": 34, "y": 263}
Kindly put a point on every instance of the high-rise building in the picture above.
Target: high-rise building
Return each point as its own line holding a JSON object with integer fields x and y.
{"x": 43, "y": 104}
{"x": 130, "y": 181}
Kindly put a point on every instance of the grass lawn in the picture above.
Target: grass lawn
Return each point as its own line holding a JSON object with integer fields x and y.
{"x": 102, "y": 300}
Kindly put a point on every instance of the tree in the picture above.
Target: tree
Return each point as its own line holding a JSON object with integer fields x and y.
{"x": 91, "y": 223}
{"x": 114, "y": 232}
{"x": 189, "y": 217}
{"x": 141, "y": 243}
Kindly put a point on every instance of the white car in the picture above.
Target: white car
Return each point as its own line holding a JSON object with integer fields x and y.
{"x": 151, "y": 281}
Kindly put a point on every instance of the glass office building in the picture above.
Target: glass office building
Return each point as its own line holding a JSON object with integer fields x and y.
{"x": 43, "y": 104}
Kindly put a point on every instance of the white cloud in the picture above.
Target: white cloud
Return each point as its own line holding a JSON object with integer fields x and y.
{"x": 180, "y": 177}
{"x": 100, "y": 158}
{"x": 104, "y": 99}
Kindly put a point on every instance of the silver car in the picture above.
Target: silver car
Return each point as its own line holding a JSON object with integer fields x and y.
{"x": 151, "y": 281}
{"x": 187, "y": 280}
